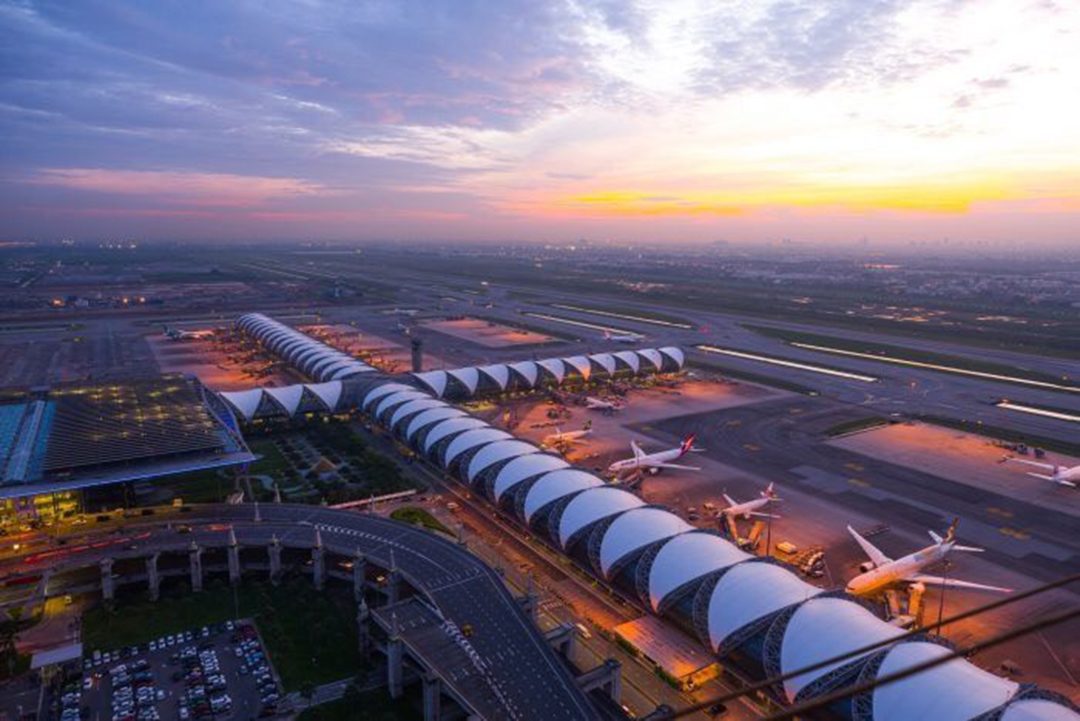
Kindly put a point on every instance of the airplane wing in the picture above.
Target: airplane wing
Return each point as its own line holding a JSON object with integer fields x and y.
{"x": 764, "y": 515}
{"x": 1045, "y": 477}
{"x": 954, "y": 583}
{"x": 675, "y": 465}
{"x": 638, "y": 453}
{"x": 729, "y": 499}
{"x": 869, "y": 549}
{"x": 1045, "y": 466}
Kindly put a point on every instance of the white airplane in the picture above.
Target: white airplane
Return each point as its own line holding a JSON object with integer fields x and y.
{"x": 655, "y": 462}
{"x": 567, "y": 438}
{"x": 623, "y": 337}
{"x": 750, "y": 508}
{"x": 1060, "y": 474}
{"x": 177, "y": 334}
{"x": 882, "y": 571}
{"x": 598, "y": 404}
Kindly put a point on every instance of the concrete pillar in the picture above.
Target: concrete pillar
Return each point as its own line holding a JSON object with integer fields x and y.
{"x": 258, "y": 516}
{"x": 417, "y": 355}
{"x": 318, "y": 562}
{"x": 395, "y": 667}
{"x": 529, "y": 601}
{"x": 195, "y": 557}
{"x": 363, "y": 628}
{"x": 359, "y": 574}
{"x": 393, "y": 581}
{"x": 108, "y": 585}
{"x": 275, "y": 559}
{"x": 234, "y": 558}
{"x": 614, "y": 685}
{"x": 432, "y": 698}
{"x": 153, "y": 578}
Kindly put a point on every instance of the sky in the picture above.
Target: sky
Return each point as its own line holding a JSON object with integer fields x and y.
{"x": 665, "y": 121}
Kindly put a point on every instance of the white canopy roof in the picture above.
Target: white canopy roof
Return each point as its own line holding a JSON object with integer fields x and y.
{"x": 748, "y": 591}
{"x": 527, "y": 370}
{"x": 407, "y": 409}
{"x": 435, "y": 380}
{"x": 954, "y": 691}
{"x": 330, "y": 370}
{"x": 351, "y": 369}
{"x": 245, "y": 402}
{"x": 555, "y": 485}
{"x": 451, "y": 426}
{"x": 630, "y": 358}
{"x": 287, "y": 396}
{"x": 428, "y": 417}
{"x": 329, "y": 393}
{"x": 688, "y": 557}
{"x": 469, "y": 377}
{"x": 379, "y": 391}
{"x": 636, "y": 529}
{"x": 674, "y": 354}
{"x": 604, "y": 360}
{"x": 398, "y": 398}
{"x": 1038, "y": 709}
{"x": 554, "y": 366}
{"x": 498, "y": 451}
{"x": 581, "y": 364}
{"x": 592, "y": 506}
{"x": 522, "y": 468}
{"x": 472, "y": 439}
{"x": 498, "y": 373}
{"x": 653, "y": 356}
{"x": 811, "y": 637}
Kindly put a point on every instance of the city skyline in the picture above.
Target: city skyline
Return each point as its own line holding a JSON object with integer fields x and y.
{"x": 679, "y": 122}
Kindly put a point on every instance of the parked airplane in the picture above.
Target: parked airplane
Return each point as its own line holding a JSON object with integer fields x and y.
{"x": 882, "y": 571}
{"x": 655, "y": 462}
{"x": 623, "y": 337}
{"x": 598, "y": 404}
{"x": 177, "y": 334}
{"x": 562, "y": 438}
{"x": 1059, "y": 474}
{"x": 750, "y": 508}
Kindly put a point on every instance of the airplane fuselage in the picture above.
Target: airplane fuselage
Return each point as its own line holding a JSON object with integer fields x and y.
{"x": 646, "y": 461}
{"x": 894, "y": 572}
{"x": 745, "y": 509}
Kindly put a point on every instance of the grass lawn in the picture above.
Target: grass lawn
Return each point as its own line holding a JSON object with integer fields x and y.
{"x": 418, "y": 516}
{"x": 272, "y": 463}
{"x": 311, "y": 636}
{"x": 764, "y": 380}
{"x": 370, "y": 706}
{"x": 857, "y": 424}
{"x": 1005, "y": 434}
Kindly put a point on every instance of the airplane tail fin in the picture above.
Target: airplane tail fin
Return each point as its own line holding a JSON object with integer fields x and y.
{"x": 638, "y": 453}
{"x": 687, "y": 444}
{"x": 950, "y": 535}
{"x": 769, "y": 492}
{"x": 607, "y": 335}
{"x": 587, "y": 426}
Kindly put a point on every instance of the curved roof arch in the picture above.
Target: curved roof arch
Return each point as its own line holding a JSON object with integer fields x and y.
{"x": 555, "y": 485}
{"x": 653, "y": 356}
{"x": 528, "y": 370}
{"x": 351, "y": 370}
{"x": 1038, "y": 709}
{"x": 434, "y": 380}
{"x": 954, "y": 691}
{"x": 333, "y": 368}
{"x": 523, "y": 468}
{"x": 686, "y": 558}
{"x": 555, "y": 367}
{"x": 674, "y": 354}
{"x": 605, "y": 361}
{"x": 750, "y": 591}
{"x": 468, "y": 377}
{"x": 498, "y": 373}
{"x": 636, "y": 529}
{"x": 246, "y": 402}
{"x": 499, "y": 451}
{"x": 811, "y": 637}
{"x": 329, "y": 393}
{"x": 472, "y": 439}
{"x": 288, "y": 397}
{"x": 452, "y": 425}
{"x": 414, "y": 406}
{"x": 394, "y": 399}
{"x": 630, "y": 358}
{"x": 579, "y": 363}
{"x": 322, "y": 365}
{"x": 426, "y": 418}
{"x": 379, "y": 391}
{"x": 305, "y": 354}
{"x": 592, "y": 506}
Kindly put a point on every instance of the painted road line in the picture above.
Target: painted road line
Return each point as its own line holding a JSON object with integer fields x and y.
{"x": 788, "y": 363}
{"x": 1009, "y": 406}
{"x": 583, "y": 324}
{"x": 624, "y": 316}
{"x": 936, "y": 367}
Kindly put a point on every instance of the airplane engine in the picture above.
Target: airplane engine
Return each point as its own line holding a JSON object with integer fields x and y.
{"x": 867, "y": 566}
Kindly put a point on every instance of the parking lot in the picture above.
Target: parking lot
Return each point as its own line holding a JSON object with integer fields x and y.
{"x": 219, "y": 672}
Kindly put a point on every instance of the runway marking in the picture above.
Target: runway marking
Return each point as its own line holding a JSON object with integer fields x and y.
{"x": 788, "y": 364}
{"x": 583, "y": 324}
{"x": 937, "y": 367}
{"x": 858, "y": 482}
{"x": 995, "y": 511}
{"x": 1009, "y": 406}
{"x": 1014, "y": 533}
{"x": 624, "y": 316}
{"x": 733, "y": 423}
{"x": 751, "y": 447}
{"x": 855, "y": 466}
